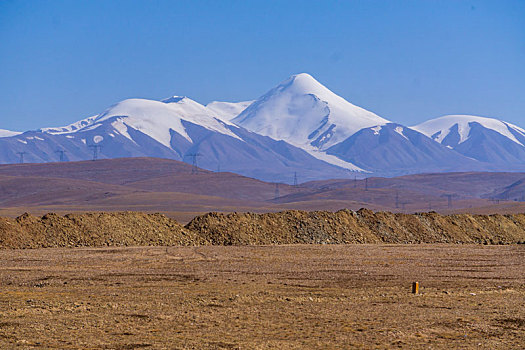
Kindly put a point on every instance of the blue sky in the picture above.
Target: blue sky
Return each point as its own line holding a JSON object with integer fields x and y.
{"x": 407, "y": 61}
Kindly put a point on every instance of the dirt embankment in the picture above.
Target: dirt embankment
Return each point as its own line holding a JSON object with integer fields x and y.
{"x": 94, "y": 229}
{"x": 288, "y": 227}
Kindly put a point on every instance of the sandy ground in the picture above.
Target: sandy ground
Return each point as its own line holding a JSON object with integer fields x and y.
{"x": 279, "y": 297}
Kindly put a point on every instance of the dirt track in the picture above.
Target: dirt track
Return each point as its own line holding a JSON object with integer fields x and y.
{"x": 301, "y": 296}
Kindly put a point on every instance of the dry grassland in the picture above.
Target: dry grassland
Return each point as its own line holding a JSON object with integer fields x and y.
{"x": 263, "y": 297}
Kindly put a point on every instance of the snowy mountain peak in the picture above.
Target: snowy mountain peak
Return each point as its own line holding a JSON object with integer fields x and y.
{"x": 303, "y": 112}
{"x": 304, "y": 83}
{"x": 452, "y": 130}
{"x": 174, "y": 99}
{"x": 156, "y": 119}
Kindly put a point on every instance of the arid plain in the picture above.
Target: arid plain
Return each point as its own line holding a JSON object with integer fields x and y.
{"x": 257, "y": 296}
{"x": 279, "y": 297}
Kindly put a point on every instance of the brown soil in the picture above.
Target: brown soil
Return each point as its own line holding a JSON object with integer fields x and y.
{"x": 363, "y": 226}
{"x": 288, "y": 227}
{"x": 265, "y": 297}
{"x": 93, "y": 229}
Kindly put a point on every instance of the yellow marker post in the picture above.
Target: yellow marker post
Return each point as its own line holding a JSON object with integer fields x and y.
{"x": 415, "y": 287}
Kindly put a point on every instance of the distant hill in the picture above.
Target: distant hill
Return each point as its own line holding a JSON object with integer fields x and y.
{"x": 168, "y": 186}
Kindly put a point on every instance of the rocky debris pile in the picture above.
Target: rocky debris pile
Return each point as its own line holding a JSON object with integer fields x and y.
{"x": 93, "y": 229}
{"x": 287, "y": 227}
{"x": 363, "y": 226}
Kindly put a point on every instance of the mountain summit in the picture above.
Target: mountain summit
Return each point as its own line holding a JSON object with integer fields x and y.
{"x": 485, "y": 139}
{"x": 306, "y": 114}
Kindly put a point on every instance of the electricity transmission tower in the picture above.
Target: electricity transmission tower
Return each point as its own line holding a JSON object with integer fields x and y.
{"x": 397, "y": 199}
{"x": 355, "y": 181}
{"x": 276, "y": 194}
{"x": 61, "y": 153}
{"x": 194, "y": 168}
{"x": 96, "y": 150}
{"x": 366, "y": 184}
{"x": 295, "y": 179}
{"x": 21, "y": 155}
{"x": 449, "y": 198}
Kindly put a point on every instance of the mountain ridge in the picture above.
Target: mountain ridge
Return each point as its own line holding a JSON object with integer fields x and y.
{"x": 297, "y": 127}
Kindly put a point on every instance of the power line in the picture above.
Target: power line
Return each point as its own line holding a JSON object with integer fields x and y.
{"x": 21, "y": 155}
{"x": 449, "y": 197}
{"x": 96, "y": 150}
{"x": 194, "y": 167}
{"x": 61, "y": 153}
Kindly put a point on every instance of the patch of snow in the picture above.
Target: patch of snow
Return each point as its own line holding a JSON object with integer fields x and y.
{"x": 112, "y": 135}
{"x": 39, "y": 138}
{"x": 98, "y": 139}
{"x": 70, "y": 136}
{"x": 23, "y": 141}
{"x": 443, "y": 126}
{"x": 331, "y": 159}
{"x": 399, "y": 130}
{"x": 92, "y": 127}
{"x": 8, "y": 133}
{"x": 228, "y": 110}
{"x": 121, "y": 128}
{"x": 69, "y": 128}
{"x": 376, "y": 129}
{"x": 30, "y": 138}
{"x": 83, "y": 141}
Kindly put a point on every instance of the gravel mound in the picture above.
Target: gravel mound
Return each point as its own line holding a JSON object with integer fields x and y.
{"x": 288, "y": 227}
{"x": 93, "y": 229}
{"x": 363, "y": 226}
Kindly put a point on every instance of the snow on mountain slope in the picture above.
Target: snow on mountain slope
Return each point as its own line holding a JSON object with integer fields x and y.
{"x": 228, "y": 110}
{"x": 394, "y": 149}
{"x": 306, "y": 114}
{"x": 439, "y": 128}
{"x": 485, "y": 139}
{"x": 175, "y": 128}
{"x": 69, "y": 128}
{"x": 156, "y": 119}
{"x": 8, "y": 133}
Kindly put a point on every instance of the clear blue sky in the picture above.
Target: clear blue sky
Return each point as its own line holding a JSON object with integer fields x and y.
{"x": 408, "y": 61}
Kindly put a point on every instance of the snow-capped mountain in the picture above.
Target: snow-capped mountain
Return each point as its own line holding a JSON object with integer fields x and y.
{"x": 303, "y": 112}
{"x": 228, "y": 110}
{"x": 8, "y": 133}
{"x": 485, "y": 139}
{"x": 391, "y": 149}
{"x": 298, "y": 126}
{"x": 175, "y": 128}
